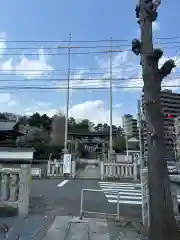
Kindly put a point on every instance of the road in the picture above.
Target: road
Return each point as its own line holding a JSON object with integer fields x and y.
{"x": 61, "y": 197}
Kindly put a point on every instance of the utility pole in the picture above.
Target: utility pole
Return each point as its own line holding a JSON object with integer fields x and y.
{"x": 111, "y": 96}
{"x": 68, "y": 89}
{"x": 110, "y": 100}
{"x": 162, "y": 221}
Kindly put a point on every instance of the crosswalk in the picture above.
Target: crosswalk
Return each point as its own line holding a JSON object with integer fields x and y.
{"x": 129, "y": 193}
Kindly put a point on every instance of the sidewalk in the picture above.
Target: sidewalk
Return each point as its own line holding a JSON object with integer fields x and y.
{"x": 71, "y": 228}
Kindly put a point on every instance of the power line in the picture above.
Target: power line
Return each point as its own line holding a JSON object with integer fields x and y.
{"x": 77, "y": 88}
{"x": 73, "y": 53}
{"x": 83, "y": 47}
{"x": 80, "y": 41}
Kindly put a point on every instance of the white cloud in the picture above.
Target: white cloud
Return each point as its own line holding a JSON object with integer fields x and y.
{"x": 5, "y": 97}
{"x": 155, "y": 26}
{"x": 40, "y": 107}
{"x": 7, "y": 102}
{"x": 95, "y": 111}
{"x": 122, "y": 67}
{"x": 33, "y": 68}
{"x": 26, "y": 67}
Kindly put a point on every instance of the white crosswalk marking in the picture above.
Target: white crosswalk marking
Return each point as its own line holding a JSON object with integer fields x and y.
{"x": 129, "y": 193}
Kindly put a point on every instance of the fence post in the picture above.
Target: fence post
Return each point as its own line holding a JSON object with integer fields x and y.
{"x": 135, "y": 170}
{"x": 4, "y": 187}
{"x": 13, "y": 187}
{"x": 102, "y": 170}
{"x": 118, "y": 198}
{"x": 24, "y": 190}
{"x": 48, "y": 168}
{"x": 73, "y": 169}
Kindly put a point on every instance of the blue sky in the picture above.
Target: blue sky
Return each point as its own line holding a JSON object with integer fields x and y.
{"x": 32, "y": 64}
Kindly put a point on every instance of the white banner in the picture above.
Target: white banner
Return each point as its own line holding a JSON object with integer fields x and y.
{"x": 36, "y": 172}
{"x": 67, "y": 163}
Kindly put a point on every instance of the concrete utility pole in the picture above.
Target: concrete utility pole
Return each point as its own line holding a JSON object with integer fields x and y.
{"x": 111, "y": 96}
{"x": 68, "y": 89}
{"x": 162, "y": 221}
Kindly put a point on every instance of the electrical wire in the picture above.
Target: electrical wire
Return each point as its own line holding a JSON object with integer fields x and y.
{"x": 76, "y": 88}
{"x": 81, "y": 41}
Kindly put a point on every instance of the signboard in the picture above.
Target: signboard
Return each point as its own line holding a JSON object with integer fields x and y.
{"x": 36, "y": 172}
{"x": 67, "y": 163}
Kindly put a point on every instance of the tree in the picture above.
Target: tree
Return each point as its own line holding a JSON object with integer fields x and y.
{"x": 3, "y": 116}
{"x": 83, "y": 126}
{"x": 46, "y": 122}
{"x": 58, "y": 130}
{"x": 99, "y": 127}
{"x": 162, "y": 221}
{"x": 35, "y": 120}
{"x": 119, "y": 144}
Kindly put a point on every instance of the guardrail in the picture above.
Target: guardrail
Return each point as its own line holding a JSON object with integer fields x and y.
{"x": 15, "y": 188}
{"x": 118, "y": 170}
{"x": 82, "y": 212}
{"x": 55, "y": 169}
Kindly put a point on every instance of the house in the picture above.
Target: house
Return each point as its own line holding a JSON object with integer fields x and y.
{"x": 9, "y": 132}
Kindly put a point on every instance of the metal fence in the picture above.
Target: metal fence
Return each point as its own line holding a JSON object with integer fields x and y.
{"x": 83, "y": 212}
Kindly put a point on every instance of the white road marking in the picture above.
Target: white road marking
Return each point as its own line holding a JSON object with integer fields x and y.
{"x": 125, "y": 202}
{"x": 120, "y": 189}
{"x": 62, "y": 183}
{"x": 124, "y": 197}
{"x": 129, "y": 193}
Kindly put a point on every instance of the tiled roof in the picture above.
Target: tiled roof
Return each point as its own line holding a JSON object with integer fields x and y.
{"x": 6, "y": 125}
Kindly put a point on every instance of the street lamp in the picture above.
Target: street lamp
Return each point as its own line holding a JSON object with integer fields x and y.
{"x": 110, "y": 94}
{"x": 68, "y": 86}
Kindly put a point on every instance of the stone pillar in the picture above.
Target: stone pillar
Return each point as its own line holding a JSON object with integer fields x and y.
{"x": 24, "y": 190}
{"x": 135, "y": 170}
{"x": 5, "y": 187}
{"x": 73, "y": 169}
{"x": 48, "y": 168}
{"x": 102, "y": 170}
{"x": 14, "y": 179}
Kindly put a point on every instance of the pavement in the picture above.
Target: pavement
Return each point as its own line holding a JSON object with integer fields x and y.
{"x": 90, "y": 171}
{"x": 48, "y": 197}
{"x": 52, "y": 198}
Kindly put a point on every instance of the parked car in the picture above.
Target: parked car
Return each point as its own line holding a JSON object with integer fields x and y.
{"x": 172, "y": 167}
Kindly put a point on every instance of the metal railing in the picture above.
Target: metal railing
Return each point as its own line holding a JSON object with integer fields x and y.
{"x": 82, "y": 212}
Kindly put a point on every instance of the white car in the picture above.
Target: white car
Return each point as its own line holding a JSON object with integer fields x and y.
{"x": 172, "y": 167}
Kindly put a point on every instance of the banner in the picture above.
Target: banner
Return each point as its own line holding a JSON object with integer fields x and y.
{"x": 67, "y": 163}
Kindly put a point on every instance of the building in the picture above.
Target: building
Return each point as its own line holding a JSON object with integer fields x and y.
{"x": 8, "y": 131}
{"x": 177, "y": 137}
{"x": 129, "y": 125}
{"x": 170, "y": 103}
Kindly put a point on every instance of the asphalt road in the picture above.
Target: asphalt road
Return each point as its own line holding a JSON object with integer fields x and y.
{"x": 48, "y": 198}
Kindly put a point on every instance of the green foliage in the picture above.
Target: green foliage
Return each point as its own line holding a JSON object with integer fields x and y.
{"x": 43, "y": 151}
{"x": 119, "y": 144}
